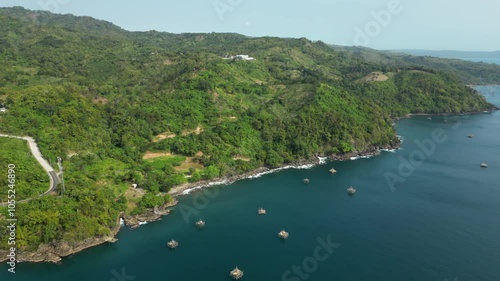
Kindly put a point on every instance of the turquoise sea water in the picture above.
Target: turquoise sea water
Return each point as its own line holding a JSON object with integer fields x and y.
{"x": 441, "y": 221}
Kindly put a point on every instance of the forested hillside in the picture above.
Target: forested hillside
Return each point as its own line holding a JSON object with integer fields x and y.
{"x": 472, "y": 73}
{"x": 160, "y": 109}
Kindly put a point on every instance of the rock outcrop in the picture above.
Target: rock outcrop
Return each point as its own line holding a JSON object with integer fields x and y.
{"x": 151, "y": 215}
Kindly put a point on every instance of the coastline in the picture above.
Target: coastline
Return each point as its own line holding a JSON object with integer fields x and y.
{"x": 187, "y": 188}
{"x": 54, "y": 252}
{"x": 494, "y": 108}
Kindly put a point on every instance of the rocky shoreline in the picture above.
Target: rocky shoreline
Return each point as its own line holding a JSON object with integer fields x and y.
{"x": 149, "y": 216}
{"x": 490, "y": 110}
{"x": 185, "y": 189}
{"x": 54, "y": 252}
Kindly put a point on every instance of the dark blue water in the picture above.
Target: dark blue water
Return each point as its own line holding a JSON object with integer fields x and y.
{"x": 440, "y": 220}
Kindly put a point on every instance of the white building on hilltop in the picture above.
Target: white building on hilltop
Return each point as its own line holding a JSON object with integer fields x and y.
{"x": 240, "y": 57}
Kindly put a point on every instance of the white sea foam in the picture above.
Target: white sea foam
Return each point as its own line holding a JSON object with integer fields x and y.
{"x": 189, "y": 190}
{"x": 269, "y": 172}
{"x": 361, "y": 157}
{"x": 388, "y": 150}
{"x": 143, "y": 222}
{"x": 322, "y": 160}
{"x": 122, "y": 222}
{"x": 304, "y": 167}
{"x": 301, "y": 167}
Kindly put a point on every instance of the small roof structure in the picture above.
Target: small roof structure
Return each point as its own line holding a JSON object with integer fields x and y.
{"x": 351, "y": 190}
{"x": 200, "y": 224}
{"x": 172, "y": 244}
{"x": 283, "y": 234}
{"x": 236, "y": 273}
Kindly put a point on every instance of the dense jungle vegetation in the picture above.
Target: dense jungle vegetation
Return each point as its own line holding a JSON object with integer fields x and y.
{"x": 160, "y": 109}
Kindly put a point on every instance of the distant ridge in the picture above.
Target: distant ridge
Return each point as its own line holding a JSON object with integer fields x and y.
{"x": 451, "y": 54}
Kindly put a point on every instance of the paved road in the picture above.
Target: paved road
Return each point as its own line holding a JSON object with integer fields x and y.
{"x": 54, "y": 179}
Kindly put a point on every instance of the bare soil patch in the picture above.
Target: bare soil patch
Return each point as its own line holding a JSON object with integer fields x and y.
{"x": 163, "y": 136}
{"x": 153, "y": 155}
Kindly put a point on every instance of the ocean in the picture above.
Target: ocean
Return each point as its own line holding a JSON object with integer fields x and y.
{"x": 426, "y": 212}
{"x": 487, "y": 60}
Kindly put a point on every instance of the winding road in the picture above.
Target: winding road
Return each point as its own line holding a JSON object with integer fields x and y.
{"x": 54, "y": 179}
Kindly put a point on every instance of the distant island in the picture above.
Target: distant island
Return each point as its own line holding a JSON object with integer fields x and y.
{"x": 453, "y": 54}
{"x": 134, "y": 114}
{"x": 482, "y": 57}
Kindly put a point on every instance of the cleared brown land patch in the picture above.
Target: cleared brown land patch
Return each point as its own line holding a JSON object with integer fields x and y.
{"x": 189, "y": 163}
{"x": 375, "y": 77}
{"x": 153, "y": 155}
{"x": 199, "y": 154}
{"x": 72, "y": 153}
{"x": 242, "y": 158}
{"x": 168, "y": 62}
{"x": 196, "y": 131}
{"x": 163, "y": 136}
{"x": 100, "y": 100}
{"x": 418, "y": 71}
{"x": 133, "y": 196}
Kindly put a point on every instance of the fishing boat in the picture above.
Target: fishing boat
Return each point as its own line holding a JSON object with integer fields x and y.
{"x": 283, "y": 234}
{"x": 261, "y": 211}
{"x": 351, "y": 190}
{"x": 236, "y": 273}
{"x": 172, "y": 244}
{"x": 200, "y": 224}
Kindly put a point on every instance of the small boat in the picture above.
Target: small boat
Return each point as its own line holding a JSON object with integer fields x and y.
{"x": 200, "y": 224}
{"x": 484, "y": 165}
{"x": 351, "y": 190}
{"x": 429, "y": 118}
{"x": 333, "y": 171}
{"x": 470, "y": 136}
{"x": 172, "y": 244}
{"x": 283, "y": 234}
{"x": 306, "y": 180}
{"x": 236, "y": 273}
{"x": 261, "y": 211}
